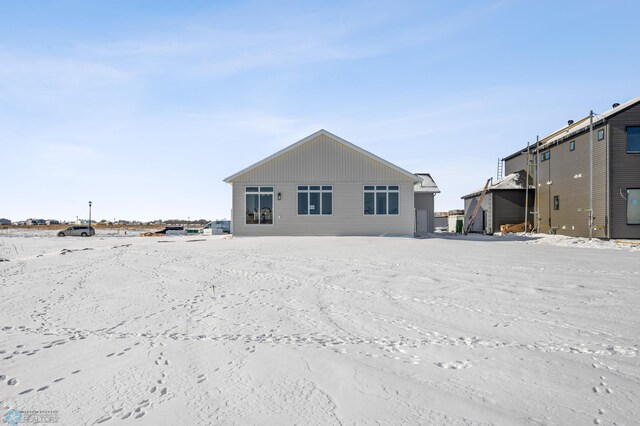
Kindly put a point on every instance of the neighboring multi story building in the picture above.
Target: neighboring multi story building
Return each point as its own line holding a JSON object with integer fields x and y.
{"x": 563, "y": 192}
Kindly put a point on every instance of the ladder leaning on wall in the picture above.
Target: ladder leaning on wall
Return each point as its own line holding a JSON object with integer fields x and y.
{"x": 475, "y": 211}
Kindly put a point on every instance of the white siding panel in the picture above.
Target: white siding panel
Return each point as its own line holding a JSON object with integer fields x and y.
{"x": 348, "y": 217}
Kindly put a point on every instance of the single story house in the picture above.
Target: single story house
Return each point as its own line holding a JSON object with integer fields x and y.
{"x": 503, "y": 203}
{"x": 324, "y": 185}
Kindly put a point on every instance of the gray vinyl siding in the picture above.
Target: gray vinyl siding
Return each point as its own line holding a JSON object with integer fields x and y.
{"x": 324, "y": 161}
{"x": 320, "y": 159}
{"x": 624, "y": 172}
{"x": 509, "y": 207}
{"x": 561, "y": 170}
{"x": 425, "y": 201}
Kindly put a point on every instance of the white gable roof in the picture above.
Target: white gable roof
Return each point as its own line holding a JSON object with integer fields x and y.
{"x": 426, "y": 185}
{"x": 338, "y": 139}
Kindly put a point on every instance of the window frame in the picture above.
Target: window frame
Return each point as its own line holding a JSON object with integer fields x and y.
{"x": 556, "y": 202}
{"x": 627, "y": 206}
{"x": 260, "y": 192}
{"x": 627, "y": 132}
{"x": 377, "y": 190}
{"x": 545, "y": 155}
{"x": 572, "y": 146}
{"x": 600, "y": 134}
{"x": 308, "y": 191}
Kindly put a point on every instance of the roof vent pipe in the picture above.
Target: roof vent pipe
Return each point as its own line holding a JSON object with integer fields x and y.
{"x": 616, "y": 105}
{"x": 570, "y": 122}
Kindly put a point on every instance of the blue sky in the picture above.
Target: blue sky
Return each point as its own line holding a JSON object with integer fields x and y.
{"x": 143, "y": 107}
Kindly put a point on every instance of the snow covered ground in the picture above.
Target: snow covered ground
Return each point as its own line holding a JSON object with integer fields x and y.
{"x": 218, "y": 330}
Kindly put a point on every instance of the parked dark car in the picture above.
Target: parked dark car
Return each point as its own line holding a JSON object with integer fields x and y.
{"x": 77, "y": 231}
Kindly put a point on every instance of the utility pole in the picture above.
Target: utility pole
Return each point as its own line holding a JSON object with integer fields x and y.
{"x": 591, "y": 174}
{"x": 526, "y": 192}
{"x": 89, "y": 218}
{"x": 537, "y": 199}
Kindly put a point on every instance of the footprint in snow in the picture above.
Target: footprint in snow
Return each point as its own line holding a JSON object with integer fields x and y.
{"x": 456, "y": 365}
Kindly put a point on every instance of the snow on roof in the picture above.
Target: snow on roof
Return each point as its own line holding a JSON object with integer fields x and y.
{"x": 582, "y": 125}
{"x": 577, "y": 127}
{"x": 513, "y": 181}
{"x": 426, "y": 185}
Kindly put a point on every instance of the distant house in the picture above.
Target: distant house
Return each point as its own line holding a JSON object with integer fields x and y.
{"x": 4, "y": 221}
{"x": 563, "y": 158}
{"x": 502, "y": 204}
{"x": 324, "y": 185}
{"x": 454, "y": 217}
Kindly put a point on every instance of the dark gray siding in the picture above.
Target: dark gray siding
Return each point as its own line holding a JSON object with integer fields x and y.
{"x": 508, "y": 207}
{"x": 624, "y": 172}
{"x": 515, "y": 164}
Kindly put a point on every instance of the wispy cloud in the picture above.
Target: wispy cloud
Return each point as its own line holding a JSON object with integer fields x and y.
{"x": 219, "y": 49}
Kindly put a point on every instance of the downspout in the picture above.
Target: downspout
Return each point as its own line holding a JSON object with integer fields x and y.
{"x": 537, "y": 195}
{"x": 591, "y": 174}
{"x": 549, "y": 183}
